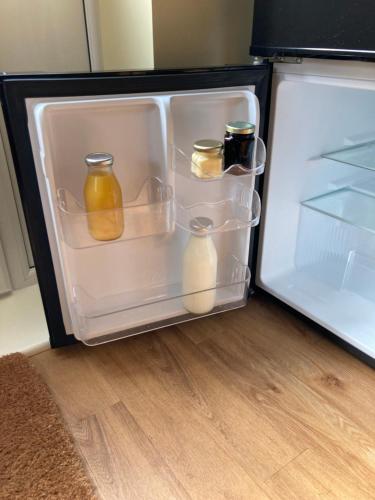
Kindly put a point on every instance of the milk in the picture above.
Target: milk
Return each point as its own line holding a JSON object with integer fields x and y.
{"x": 199, "y": 273}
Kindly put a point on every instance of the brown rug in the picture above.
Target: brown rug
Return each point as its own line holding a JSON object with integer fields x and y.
{"x": 37, "y": 455}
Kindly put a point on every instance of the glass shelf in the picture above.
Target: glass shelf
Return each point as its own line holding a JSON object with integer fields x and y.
{"x": 361, "y": 155}
{"x": 151, "y": 213}
{"x": 348, "y": 205}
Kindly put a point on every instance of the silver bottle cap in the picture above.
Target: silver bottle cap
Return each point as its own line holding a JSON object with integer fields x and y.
{"x": 201, "y": 224}
{"x": 99, "y": 159}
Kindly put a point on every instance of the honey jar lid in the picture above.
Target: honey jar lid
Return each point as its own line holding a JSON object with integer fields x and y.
{"x": 240, "y": 127}
{"x": 207, "y": 145}
{"x": 99, "y": 159}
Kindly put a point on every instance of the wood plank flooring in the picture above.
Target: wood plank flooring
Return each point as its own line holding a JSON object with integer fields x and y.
{"x": 250, "y": 404}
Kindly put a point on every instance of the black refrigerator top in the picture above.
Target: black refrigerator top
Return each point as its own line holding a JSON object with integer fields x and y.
{"x": 319, "y": 28}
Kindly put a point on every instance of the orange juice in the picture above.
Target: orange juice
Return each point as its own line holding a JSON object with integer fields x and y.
{"x": 103, "y": 199}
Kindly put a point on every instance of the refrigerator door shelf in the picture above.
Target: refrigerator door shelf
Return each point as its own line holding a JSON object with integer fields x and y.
{"x": 149, "y": 214}
{"x": 100, "y": 318}
{"x": 182, "y": 165}
{"x": 361, "y": 155}
{"x": 142, "y": 219}
{"x": 229, "y": 200}
{"x": 227, "y": 215}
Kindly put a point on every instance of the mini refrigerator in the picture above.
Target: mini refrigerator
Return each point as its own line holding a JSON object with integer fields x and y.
{"x": 315, "y": 250}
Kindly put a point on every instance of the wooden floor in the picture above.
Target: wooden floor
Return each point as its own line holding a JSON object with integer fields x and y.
{"x": 253, "y": 403}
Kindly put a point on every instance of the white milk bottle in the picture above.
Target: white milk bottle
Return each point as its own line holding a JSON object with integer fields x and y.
{"x": 199, "y": 268}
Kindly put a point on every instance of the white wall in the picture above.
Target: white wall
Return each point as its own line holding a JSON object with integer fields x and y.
{"x": 201, "y": 32}
{"x": 42, "y": 35}
{"x": 125, "y": 34}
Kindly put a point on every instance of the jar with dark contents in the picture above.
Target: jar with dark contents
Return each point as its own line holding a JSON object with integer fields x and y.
{"x": 239, "y": 143}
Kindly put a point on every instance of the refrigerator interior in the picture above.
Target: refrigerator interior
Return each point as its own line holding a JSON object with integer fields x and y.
{"x": 113, "y": 289}
{"x": 318, "y": 227}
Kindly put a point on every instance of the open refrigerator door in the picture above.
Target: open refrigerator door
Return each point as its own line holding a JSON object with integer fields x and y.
{"x": 113, "y": 289}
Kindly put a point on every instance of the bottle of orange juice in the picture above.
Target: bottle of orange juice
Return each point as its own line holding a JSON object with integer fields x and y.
{"x": 103, "y": 198}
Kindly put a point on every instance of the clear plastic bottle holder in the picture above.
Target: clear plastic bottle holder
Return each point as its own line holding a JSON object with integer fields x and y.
{"x": 149, "y": 214}
{"x": 238, "y": 212}
{"x": 182, "y": 164}
{"x": 230, "y": 292}
{"x": 233, "y": 204}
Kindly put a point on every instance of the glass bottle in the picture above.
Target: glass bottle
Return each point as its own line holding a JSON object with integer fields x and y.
{"x": 103, "y": 198}
{"x": 239, "y": 143}
{"x": 199, "y": 268}
{"x": 207, "y": 159}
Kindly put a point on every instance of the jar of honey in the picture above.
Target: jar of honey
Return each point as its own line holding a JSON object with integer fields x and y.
{"x": 103, "y": 198}
{"x": 207, "y": 159}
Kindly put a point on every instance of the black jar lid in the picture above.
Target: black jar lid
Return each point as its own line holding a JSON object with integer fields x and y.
{"x": 240, "y": 128}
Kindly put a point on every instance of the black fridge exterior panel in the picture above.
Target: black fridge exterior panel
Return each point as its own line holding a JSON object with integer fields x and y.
{"x": 15, "y": 90}
{"x": 319, "y": 28}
